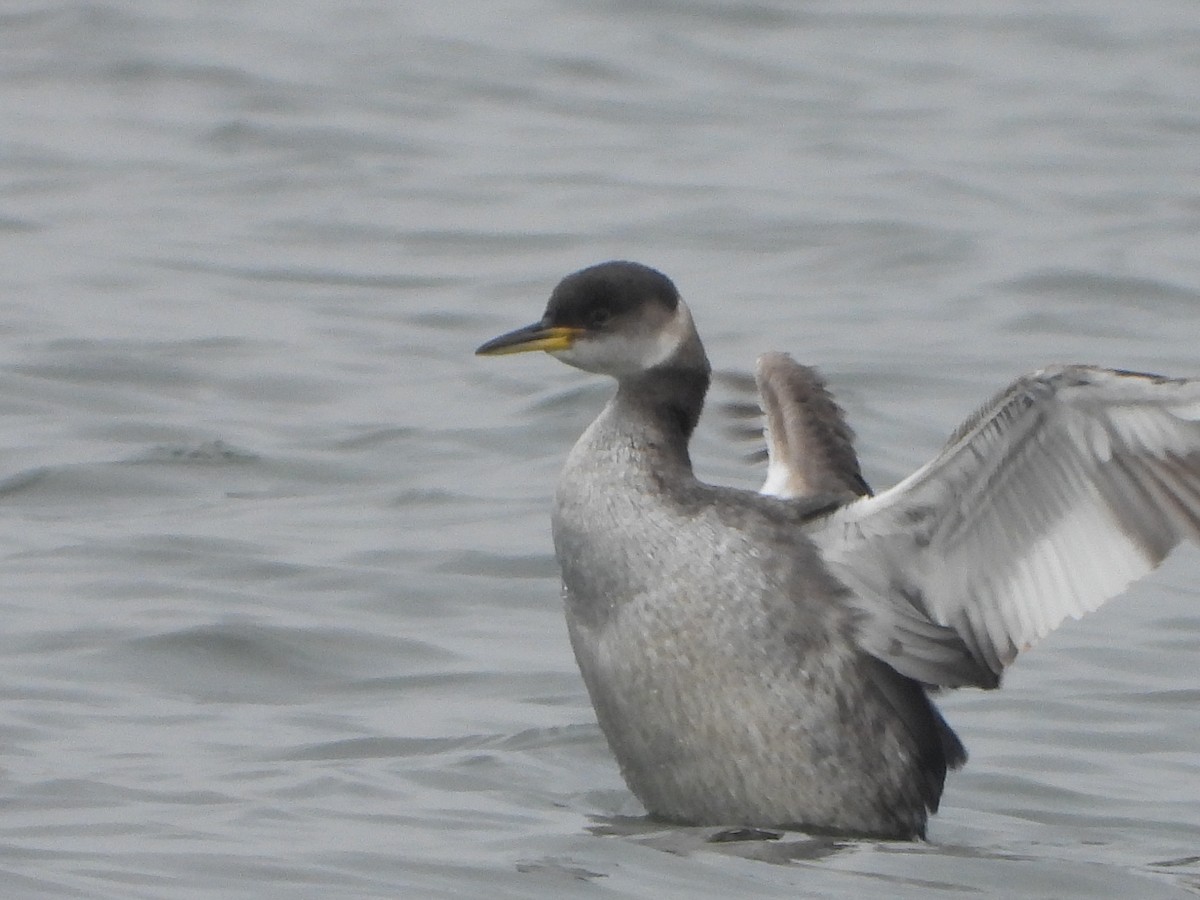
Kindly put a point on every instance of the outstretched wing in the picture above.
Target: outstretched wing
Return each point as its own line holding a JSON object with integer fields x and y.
{"x": 1067, "y": 487}
{"x": 810, "y": 448}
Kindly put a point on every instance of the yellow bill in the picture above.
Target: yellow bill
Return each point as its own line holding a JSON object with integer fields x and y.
{"x": 532, "y": 337}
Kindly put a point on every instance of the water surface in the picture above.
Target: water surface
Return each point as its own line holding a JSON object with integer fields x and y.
{"x": 280, "y": 613}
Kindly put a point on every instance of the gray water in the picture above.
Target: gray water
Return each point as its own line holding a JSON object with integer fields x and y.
{"x": 280, "y": 612}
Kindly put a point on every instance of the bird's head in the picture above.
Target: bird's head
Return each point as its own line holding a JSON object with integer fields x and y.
{"x": 616, "y": 318}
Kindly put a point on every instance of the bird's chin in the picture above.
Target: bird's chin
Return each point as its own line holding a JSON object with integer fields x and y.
{"x": 579, "y": 357}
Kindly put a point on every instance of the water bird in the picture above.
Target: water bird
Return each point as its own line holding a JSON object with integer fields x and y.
{"x": 766, "y": 659}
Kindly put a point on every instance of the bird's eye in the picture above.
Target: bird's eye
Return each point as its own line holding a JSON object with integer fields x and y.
{"x": 599, "y": 317}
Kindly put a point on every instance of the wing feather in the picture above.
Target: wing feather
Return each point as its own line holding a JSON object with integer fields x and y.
{"x": 1067, "y": 487}
{"x": 810, "y": 447}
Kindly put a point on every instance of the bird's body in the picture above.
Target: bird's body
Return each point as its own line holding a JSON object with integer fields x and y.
{"x": 716, "y": 648}
{"x": 763, "y": 660}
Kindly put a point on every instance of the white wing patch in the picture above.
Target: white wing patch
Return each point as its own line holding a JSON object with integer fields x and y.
{"x": 1072, "y": 484}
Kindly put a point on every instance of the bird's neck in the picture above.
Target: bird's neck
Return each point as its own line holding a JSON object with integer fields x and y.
{"x": 667, "y": 401}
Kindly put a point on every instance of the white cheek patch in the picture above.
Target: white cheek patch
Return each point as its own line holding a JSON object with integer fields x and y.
{"x": 589, "y": 354}
{"x": 620, "y": 354}
{"x": 671, "y": 337}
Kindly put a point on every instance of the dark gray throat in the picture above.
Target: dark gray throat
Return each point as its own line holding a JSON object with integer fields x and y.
{"x": 668, "y": 401}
